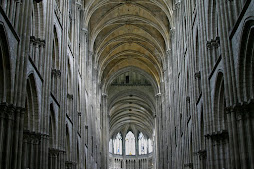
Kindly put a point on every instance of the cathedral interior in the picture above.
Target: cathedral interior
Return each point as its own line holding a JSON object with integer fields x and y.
{"x": 126, "y": 84}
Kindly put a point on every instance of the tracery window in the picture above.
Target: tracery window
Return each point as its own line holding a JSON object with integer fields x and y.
{"x": 118, "y": 142}
{"x": 111, "y": 146}
{"x": 142, "y": 144}
{"x": 150, "y": 146}
{"x": 130, "y": 143}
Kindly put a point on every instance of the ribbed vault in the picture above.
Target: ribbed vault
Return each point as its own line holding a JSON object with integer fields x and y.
{"x": 129, "y": 40}
{"x": 127, "y": 33}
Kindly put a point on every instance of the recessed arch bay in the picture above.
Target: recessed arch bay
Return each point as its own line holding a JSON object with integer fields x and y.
{"x": 128, "y": 41}
{"x": 131, "y": 102}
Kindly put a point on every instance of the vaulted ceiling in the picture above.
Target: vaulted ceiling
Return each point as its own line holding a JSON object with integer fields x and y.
{"x": 124, "y": 35}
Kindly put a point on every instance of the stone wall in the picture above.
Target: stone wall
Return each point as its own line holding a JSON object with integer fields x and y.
{"x": 208, "y": 120}
{"x": 48, "y": 110}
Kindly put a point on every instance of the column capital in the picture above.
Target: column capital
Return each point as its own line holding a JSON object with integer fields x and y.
{"x": 84, "y": 30}
{"x": 208, "y": 45}
{"x": 168, "y": 51}
{"x": 188, "y": 99}
{"x": 198, "y": 75}
{"x": 178, "y": 4}
{"x": 158, "y": 95}
{"x": 78, "y": 4}
{"x": 172, "y": 30}
{"x": 104, "y": 95}
{"x": 70, "y": 96}
{"x": 90, "y": 53}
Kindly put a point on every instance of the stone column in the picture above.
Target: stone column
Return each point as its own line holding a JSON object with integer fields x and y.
{"x": 158, "y": 150}
{"x": 250, "y": 143}
{"x": 8, "y": 135}
{"x": 136, "y": 144}
{"x": 24, "y": 153}
{"x": 44, "y": 151}
{"x": 31, "y": 151}
{"x": 105, "y": 129}
{"x": 124, "y": 153}
{"x": 135, "y": 165}
{"x": 16, "y": 139}
{"x": 2, "y": 131}
{"x": 235, "y": 139}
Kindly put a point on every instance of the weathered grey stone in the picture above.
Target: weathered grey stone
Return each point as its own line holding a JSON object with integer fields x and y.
{"x": 75, "y": 75}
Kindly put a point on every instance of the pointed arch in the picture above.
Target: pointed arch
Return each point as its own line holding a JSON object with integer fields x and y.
{"x": 69, "y": 77}
{"x": 52, "y": 127}
{"x": 5, "y": 68}
{"x": 79, "y": 99}
{"x": 202, "y": 130}
{"x": 142, "y": 144}
{"x": 55, "y": 66}
{"x": 213, "y": 24}
{"x": 68, "y": 143}
{"x": 118, "y": 143}
{"x": 78, "y": 155}
{"x": 37, "y": 20}
{"x": 55, "y": 51}
{"x": 219, "y": 103}
{"x": 246, "y": 62}
{"x": 31, "y": 117}
{"x": 130, "y": 145}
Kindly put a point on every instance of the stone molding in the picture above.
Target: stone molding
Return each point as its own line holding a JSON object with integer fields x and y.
{"x": 56, "y": 72}
{"x": 218, "y": 136}
{"x": 9, "y": 110}
{"x": 31, "y": 136}
{"x": 197, "y": 75}
{"x": 213, "y": 43}
{"x": 38, "y": 41}
{"x": 188, "y": 99}
{"x": 188, "y": 165}
{"x": 70, "y": 96}
{"x": 202, "y": 154}
{"x": 55, "y": 151}
{"x": 239, "y": 107}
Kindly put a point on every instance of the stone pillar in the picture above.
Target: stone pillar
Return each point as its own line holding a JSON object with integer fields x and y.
{"x": 124, "y": 153}
{"x": 245, "y": 135}
{"x": 158, "y": 150}
{"x": 9, "y": 133}
{"x": 24, "y": 153}
{"x": 2, "y": 131}
{"x": 230, "y": 136}
{"x": 105, "y": 129}
{"x": 250, "y": 143}
{"x": 123, "y": 147}
{"x": 235, "y": 139}
{"x": 44, "y": 151}
{"x": 136, "y": 144}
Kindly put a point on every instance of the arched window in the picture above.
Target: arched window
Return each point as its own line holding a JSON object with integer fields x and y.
{"x": 68, "y": 143}
{"x": 142, "y": 144}
{"x": 118, "y": 142}
{"x": 150, "y": 146}
{"x": 130, "y": 143}
{"x": 110, "y": 146}
{"x": 5, "y": 73}
{"x": 52, "y": 127}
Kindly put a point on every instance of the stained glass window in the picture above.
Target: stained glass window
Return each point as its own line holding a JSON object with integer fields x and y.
{"x": 150, "y": 146}
{"x": 130, "y": 143}
{"x": 142, "y": 144}
{"x": 117, "y": 142}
